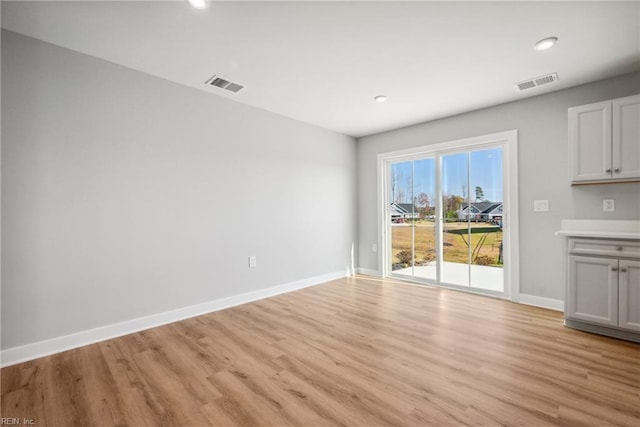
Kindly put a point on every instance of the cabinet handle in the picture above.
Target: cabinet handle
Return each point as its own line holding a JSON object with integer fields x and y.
{"x": 616, "y": 170}
{"x": 623, "y": 270}
{"x": 608, "y": 171}
{"x": 614, "y": 268}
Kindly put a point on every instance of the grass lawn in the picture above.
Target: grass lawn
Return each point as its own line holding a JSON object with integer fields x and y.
{"x": 485, "y": 241}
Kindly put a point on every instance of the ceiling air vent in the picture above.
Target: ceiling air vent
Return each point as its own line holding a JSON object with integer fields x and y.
{"x": 220, "y": 82}
{"x": 224, "y": 84}
{"x": 538, "y": 81}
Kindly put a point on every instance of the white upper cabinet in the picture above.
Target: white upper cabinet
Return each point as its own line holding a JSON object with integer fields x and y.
{"x": 626, "y": 138}
{"x": 604, "y": 141}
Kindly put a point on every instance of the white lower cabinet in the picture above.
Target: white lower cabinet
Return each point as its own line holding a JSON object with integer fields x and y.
{"x": 604, "y": 289}
{"x": 593, "y": 289}
{"x": 629, "y": 291}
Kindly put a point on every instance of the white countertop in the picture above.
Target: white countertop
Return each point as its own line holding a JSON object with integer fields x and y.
{"x": 602, "y": 228}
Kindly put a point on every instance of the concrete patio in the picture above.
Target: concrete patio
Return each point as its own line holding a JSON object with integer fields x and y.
{"x": 482, "y": 276}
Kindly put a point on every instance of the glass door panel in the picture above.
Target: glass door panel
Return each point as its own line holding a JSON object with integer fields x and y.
{"x": 486, "y": 226}
{"x": 401, "y": 216}
{"x": 424, "y": 233}
{"x": 402, "y": 249}
{"x": 455, "y": 219}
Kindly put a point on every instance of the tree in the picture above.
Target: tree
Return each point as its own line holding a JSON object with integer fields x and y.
{"x": 452, "y": 205}
{"x": 479, "y": 194}
{"x": 422, "y": 201}
{"x": 409, "y": 187}
{"x": 401, "y": 186}
{"x": 394, "y": 185}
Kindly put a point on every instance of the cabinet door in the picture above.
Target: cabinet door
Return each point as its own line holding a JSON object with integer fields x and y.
{"x": 626, "y": 138}
{"x": 593, "y": 290}
{"x": 629, "y": 306}
{"x": 590, "y": 142}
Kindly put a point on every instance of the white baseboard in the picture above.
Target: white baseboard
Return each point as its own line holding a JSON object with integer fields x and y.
{"x": 15, "y": 355}
{"x": 550, "y": 303}
{"x": 368, "y": 272}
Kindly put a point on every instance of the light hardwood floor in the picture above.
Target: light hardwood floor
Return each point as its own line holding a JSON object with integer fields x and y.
{"x": 352, "y": 352}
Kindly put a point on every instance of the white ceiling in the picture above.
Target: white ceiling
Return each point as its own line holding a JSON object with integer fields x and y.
{"x": 323, "y": 62}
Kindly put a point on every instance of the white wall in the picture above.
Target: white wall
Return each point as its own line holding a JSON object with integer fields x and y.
{"x": 125, "y": 195}
{"x": 0, "y": 184}
{"x": 543, "y": 174}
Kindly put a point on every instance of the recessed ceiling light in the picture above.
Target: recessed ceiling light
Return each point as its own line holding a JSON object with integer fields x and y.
{"x": 545, "y": 44}
{"x": 380, "y": 98}
{"x": 198, "y": 4}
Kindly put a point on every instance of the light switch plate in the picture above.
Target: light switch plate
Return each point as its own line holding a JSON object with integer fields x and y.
{"x": 252, "y": 261}
{"x": 541, "y": 206}
{"x": 608, "y": 205}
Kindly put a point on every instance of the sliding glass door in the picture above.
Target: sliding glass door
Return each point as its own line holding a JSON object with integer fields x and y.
{"x": 485, "y": 225}
{"x": 412, "y": 218}
{"x": 445, "y": 218}
{"x": 455, "y": 230}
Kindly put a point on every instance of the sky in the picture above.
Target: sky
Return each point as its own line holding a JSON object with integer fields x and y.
{"x": 485, "y": 168}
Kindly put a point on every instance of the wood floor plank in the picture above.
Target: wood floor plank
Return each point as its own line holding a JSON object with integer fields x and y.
{"x": 358, "y": 351}
{"x": 174, "y": 392}
{"x": 329, "y": 406}
{"x": 104, "y": 400}
{"x": 141, "y": 405}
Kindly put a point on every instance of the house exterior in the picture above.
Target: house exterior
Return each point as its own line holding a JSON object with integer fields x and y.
{"x": 481, "y": 211}
{"x": 400, "y": 212}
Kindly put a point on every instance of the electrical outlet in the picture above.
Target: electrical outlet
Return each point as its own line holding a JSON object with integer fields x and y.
{"x": 374, "y": 248}
{"x": 541, "y": 206}
{"x": 252, "y": 261}
{"x": 608, "y": 205}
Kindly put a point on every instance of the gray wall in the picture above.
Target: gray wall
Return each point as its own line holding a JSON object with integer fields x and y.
{"x": 543, "y": 174}
{"x": 125, "y": 195}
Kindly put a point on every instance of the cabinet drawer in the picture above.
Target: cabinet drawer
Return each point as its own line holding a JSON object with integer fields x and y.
{"x": 617, "y": 248}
